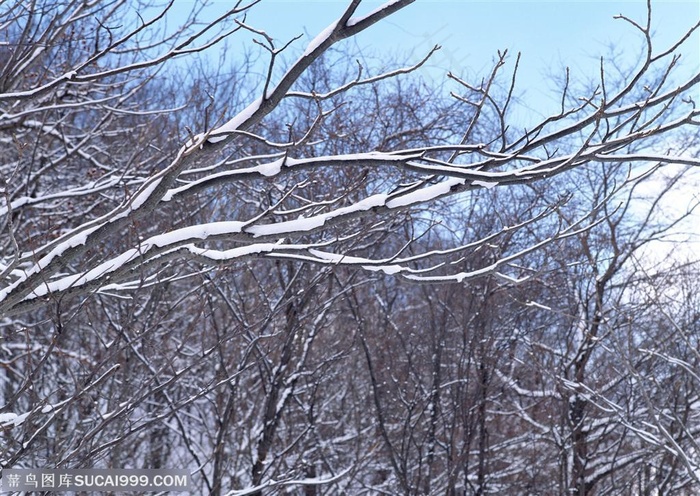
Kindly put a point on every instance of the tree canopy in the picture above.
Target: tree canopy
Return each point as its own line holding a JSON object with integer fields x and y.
{"x": 338, "y": 280}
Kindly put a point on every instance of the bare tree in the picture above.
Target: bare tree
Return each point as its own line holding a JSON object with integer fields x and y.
{"x": 213, "y": 275}
{"x": 605, "y": 122}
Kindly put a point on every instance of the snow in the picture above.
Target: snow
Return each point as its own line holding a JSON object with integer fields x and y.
{"x": 320, "y": 38}
{"x": 366, "y": 263}
{"x": 79, "y": 279}
{"x": 200, "y": 231}
{"x": 387, "y": 269}
{"x": 7, "y": 419}
{"x": 355, "y": 20}
{"x": 179, "y": 238}
{"x": 310, "y": 223}
{"x": 222, "y": 132}
{"x": 484, "y": 184}
{"x": 537, "y": 305}
{"x": 75, "y": 240}
{"x": 271, "y": 483}
{"x": 425, "y": 194}
{"x": 241, "y": 251}
{"x": 173, "y": 238}
{"x": 268, "y": 170}
{"x": 144, "y": 195}
{"x": 271, "y": 169}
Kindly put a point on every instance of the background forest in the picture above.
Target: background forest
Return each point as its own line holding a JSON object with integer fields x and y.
{"x": 329, "y": 279}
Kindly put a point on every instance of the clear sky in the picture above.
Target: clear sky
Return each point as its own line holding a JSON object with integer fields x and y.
{"x": 549, "y": 34}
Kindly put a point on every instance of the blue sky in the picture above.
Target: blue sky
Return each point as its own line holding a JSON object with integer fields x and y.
{"x": 550, "y": 35}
